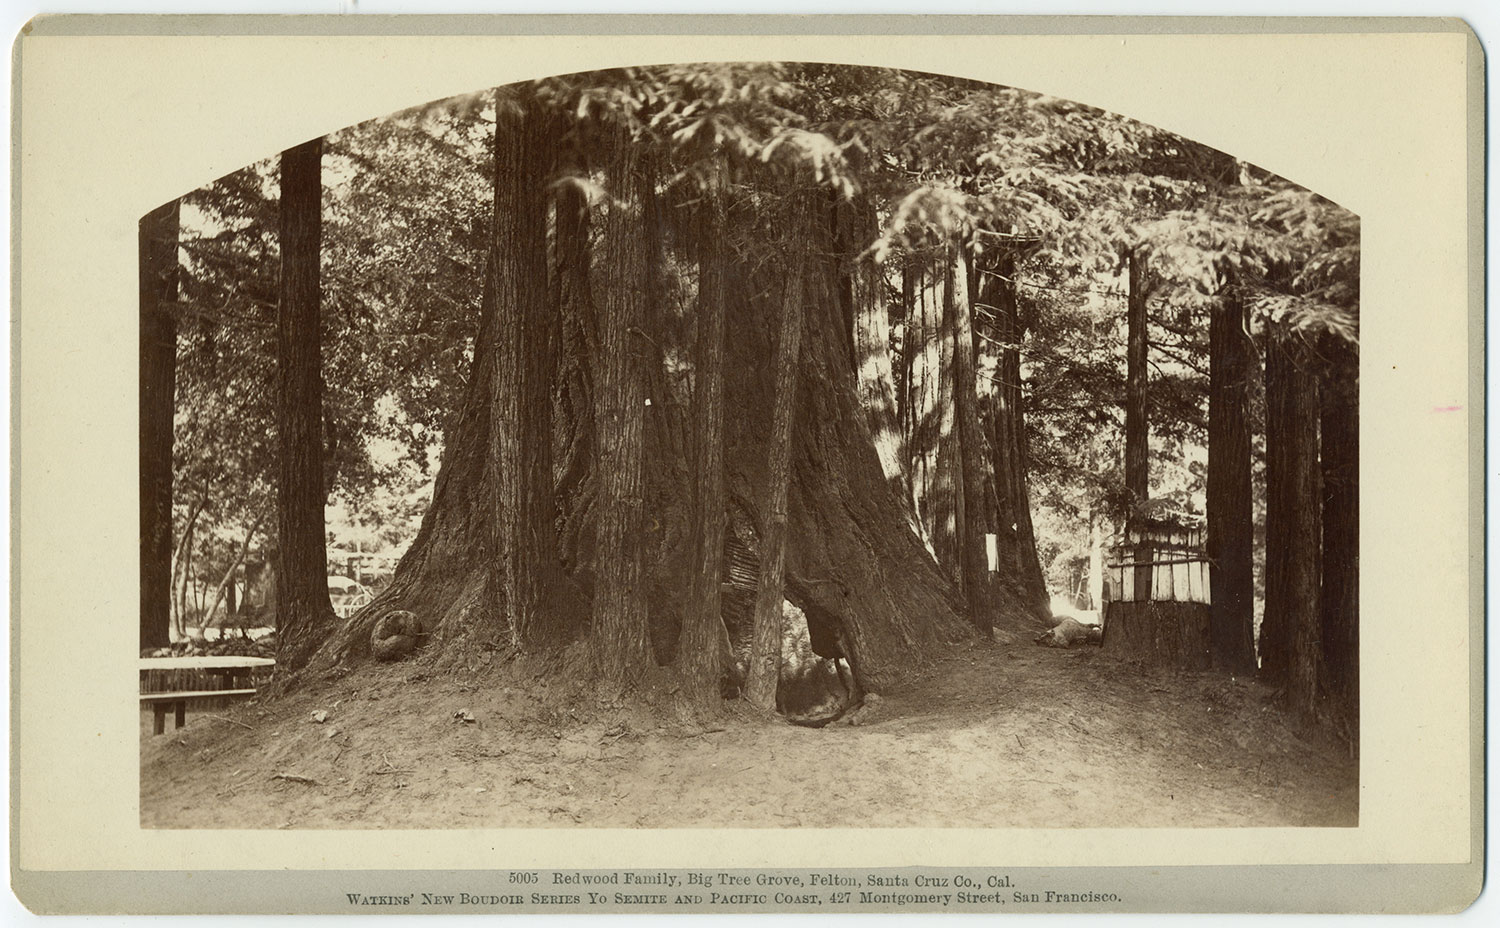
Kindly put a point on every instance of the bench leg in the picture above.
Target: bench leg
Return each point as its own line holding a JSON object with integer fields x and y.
{"x": 181, "y": 712}
{"x": 159, "y": 718}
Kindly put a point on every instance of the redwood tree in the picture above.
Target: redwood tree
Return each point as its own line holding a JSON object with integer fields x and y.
{"x": 524, "y": 509}
{"x": 1291, "y": 630}
{"x": 621, "y": 648}
{"x": 973, "y": 559}
{"x": 1339, "y": 428}
{"x": 765, "y": 648}
{"x": 700, "y": 655}
{"x": 304, "y": 614}
{"x": 1231, "y": 528}
{"x": 158, "y": 360}
{"x": 1015, "y": 538}
{"x": 1137, "y": 431}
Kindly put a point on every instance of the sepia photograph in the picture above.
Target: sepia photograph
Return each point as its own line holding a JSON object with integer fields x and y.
{"x": 749, "y": 444}
{"x": 747, "y": 464}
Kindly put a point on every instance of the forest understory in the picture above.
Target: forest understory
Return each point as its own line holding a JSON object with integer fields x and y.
{"x": 992, "y": 735}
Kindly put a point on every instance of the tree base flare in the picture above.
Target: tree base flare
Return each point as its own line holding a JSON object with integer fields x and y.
{"x": 1163, "y": 633}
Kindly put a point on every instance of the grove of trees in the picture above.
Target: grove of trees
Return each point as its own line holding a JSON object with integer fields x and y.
{"x": 675, "y": 346}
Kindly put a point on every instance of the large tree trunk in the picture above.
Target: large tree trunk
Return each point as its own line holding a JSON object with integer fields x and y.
{"x": 765, "y": 648}
{"x": 862, "y": 280}
{"x": 869, "y": 588}
{"x": 578, "y": 350}
{"x": 700, "y": 651}
{"x": 529, "y": 582}
{"x": 1291, "y": 631}
{"x": 973, "y": 560}
{"x": 619, "y": 631}
{"x": 446, "y": 576}
{"x": 158, "y": 372}
{"x": 304, "y": 614}
{"x": 1231, "y": 527}
{"x": 1340, "y": 596}
{"x": 1015, "y": 539}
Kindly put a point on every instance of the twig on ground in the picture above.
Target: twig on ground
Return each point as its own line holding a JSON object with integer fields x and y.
{"x": 295, "y": 778}
{"x": 220, "y": 718}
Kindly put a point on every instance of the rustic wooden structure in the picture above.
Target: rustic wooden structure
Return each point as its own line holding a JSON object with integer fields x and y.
{"x": 173, "y": 682}
{"x": 1156, "y": 593}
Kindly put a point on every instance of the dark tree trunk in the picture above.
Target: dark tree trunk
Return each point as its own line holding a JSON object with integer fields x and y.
{"x": 1292, "y": 629}
{"x": 765, "y": 648}
{"x": 446, "y": 576}
{"x": 1231, "y": 526}
{"x": 702, "y": 644}
{"x": 869, "y": 588}
{"x": 619, "y": 631}
{"x": 1015, "y": 539}
{"x": 578, "y": 330}
{"x": 972, "y": 447}
{"x": 1137, "y": 432}
{"x": 303, "y": 612}
{"x": 521, "y": 435}
{"x": 1340, "y": 598}
{"x": 158, "y": 373}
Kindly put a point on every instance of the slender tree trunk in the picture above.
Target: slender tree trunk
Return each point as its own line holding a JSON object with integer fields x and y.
{"x": 304, "y": 613}
{"x": 945, "y": 493}
{"x": 1231, "y": 526}
{"x": 903, "y": 377}
{"x": 765, "y": 649}
{"x": 227, "y": 584}
{"x": 1340, "y": 594}
{"x": 521, "y": 435}
{"x": 700, "y": 652}
{"x": 619, "y": 612}
{"x": 1137, "y": 432}
{"x": 971, "y": 441}
{"x": 158, "y": 372}
{"x": 187, "y": 576}
{"x": 579, "y": 351}
{"x": 179, "y": 559}
{"x": 1292, "y": 630}
{"x": 1015, "y": 537}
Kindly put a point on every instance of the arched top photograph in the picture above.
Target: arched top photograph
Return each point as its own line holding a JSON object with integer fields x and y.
{"x": 750, "y": 444}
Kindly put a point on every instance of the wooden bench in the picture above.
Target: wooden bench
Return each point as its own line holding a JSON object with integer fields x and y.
{"x": 170, "y": 682}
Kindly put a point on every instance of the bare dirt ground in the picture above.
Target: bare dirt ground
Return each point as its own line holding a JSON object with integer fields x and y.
{"x": 992, "y": 736}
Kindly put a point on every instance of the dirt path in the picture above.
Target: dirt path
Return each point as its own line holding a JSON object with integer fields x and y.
{"x": 1011, "y": 736}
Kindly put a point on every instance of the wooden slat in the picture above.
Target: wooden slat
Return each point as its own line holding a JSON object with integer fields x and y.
{"x": 203, "y": 662}
{"x": 195, "y": 694}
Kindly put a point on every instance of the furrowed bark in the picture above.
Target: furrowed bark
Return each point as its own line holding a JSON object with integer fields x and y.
{"x": 158, "y": 372}
{"x": 619, "y": 632}
{"x": 521, "y": 435}
{"x": 304, "y": 614}
{"x": 702, "y": 645}
{"x": 1231, "y": 528}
